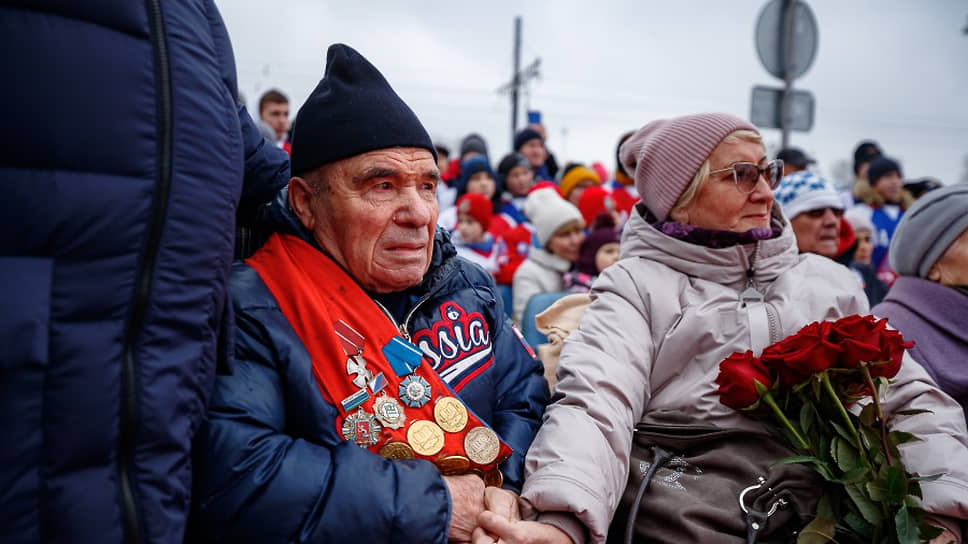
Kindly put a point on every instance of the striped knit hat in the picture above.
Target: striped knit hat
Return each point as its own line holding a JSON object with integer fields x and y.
{"x": 665, "y": 155}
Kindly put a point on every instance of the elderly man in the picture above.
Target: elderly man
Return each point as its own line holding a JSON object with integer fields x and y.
{"x": 814, "y": 209}
{"x": 378, "y": 384}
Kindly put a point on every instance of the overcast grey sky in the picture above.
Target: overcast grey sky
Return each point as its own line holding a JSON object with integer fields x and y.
{"x": 892, "y": 70}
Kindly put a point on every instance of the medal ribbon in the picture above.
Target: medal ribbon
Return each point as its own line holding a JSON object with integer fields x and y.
{"x": 349, "y": 339}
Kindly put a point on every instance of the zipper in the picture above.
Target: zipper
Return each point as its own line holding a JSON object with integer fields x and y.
{"x": 130, "y": 511}
{"x": 400, "y": 327}
{"x": 772, "y": 320}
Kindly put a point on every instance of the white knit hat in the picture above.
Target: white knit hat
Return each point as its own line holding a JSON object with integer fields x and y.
{"x": 804, "y": 191}
{"x": 549, "y": 212}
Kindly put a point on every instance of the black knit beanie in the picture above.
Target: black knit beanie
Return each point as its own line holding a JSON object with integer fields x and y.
{"x": 880, "y": 167}
{"x": 352, "y": 111}
{"x": 524, "y": 136}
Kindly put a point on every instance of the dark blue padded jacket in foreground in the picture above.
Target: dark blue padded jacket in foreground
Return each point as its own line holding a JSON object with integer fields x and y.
{"x": 270, "y": 464}
{"x": 122, "y": 159}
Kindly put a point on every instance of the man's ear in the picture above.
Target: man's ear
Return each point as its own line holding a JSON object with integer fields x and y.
{"x": 300, "y": 199}
{"x": 934, "y": 273}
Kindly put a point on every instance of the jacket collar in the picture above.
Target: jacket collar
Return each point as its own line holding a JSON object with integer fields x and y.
{"x": 727, "y": 266}
{"x": 938, "y": 304}
{"x": 548, "y": 260}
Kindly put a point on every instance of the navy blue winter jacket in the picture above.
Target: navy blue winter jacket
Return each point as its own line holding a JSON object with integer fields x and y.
{"x": 270, "y": 465}
{"x": 122, "y": 159}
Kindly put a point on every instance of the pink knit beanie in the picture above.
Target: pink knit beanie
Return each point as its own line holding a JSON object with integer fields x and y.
{"x": 665, "y": 155}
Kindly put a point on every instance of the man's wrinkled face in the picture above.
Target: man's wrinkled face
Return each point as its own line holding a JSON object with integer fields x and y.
{"x": 276, "y": 115}
{"x": 375, "y": 214}
{"x": 818, "y": 231}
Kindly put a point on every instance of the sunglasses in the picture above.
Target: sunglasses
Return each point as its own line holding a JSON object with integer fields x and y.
{"x": 817, "y": 214}
{"x": 747, "y": 174}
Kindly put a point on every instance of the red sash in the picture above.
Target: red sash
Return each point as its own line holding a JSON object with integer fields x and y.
{"x": 358, "y": 359}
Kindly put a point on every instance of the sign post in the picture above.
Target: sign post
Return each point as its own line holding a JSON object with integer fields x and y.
{"x": 786, "y": 42}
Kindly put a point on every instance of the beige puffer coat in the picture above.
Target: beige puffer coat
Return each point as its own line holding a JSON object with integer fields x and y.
{"x": 661, "y": 320}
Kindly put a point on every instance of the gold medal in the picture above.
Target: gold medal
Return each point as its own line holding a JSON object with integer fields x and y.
{"x": 493, "y": 478}
{"x": 450, "y": 414}
{"x": 453, "y": 465}
{"x": 396, "y": 450}
{"x": 481, "y": 445}
{"x": 425, "y": 437}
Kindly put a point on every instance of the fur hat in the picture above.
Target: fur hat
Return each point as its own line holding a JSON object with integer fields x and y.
{"x": 664, "y": 155}
{"x": 549, "y": 212}
{"x": 338, "y": 119}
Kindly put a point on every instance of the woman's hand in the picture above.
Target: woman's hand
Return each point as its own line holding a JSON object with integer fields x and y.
{"x": 947, "y": 537}
{"x": 494, "y": 528}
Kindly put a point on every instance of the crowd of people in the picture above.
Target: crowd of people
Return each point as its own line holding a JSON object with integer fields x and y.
{"x": 309, "y": 331}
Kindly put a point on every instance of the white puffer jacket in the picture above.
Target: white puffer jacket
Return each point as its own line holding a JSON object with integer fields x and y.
{"x": 660, "y": 322}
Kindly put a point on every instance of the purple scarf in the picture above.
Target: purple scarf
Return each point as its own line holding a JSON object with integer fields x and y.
{"x": 711, "y": 238}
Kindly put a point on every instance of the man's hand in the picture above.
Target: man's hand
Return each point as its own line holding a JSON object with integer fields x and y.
{"x": 516, "y": 532}
{"x": 466, "y": 504}
{"x": 502, "y": 502}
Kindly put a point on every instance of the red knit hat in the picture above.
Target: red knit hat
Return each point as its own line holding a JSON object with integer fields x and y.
{"x": 664, "y": 156}
{"x": 593, "y": 201}
{"x": 477, "y": 206}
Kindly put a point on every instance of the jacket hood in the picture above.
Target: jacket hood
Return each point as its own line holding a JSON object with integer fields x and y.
{"x": 727, "y": 266}
{"x": 279, "y": 217}
{"x": 863, "y": 192}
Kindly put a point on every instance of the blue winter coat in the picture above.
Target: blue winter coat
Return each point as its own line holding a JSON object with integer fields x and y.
{"x": 122, "y": 158}
{"x": 270, "y": 465}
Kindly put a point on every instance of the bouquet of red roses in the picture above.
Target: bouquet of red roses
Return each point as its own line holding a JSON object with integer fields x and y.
{"x": 802, "y": 386}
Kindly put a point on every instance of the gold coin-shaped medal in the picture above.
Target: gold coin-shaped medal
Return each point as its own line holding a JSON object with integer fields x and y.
{"x": 482, "y": 445}
{"x": 493, "y": 478}
{"x": 453, "y": 465}
{"x": 425, "y": 437}
{"x": 450, "y": 414}
{"x": 396, "y": 450}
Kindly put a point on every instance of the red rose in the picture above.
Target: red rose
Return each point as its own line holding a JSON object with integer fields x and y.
{"x": 892, "y": 351}
{"x": 736, "y": 376}
{"x": 860, "y": 336}
{"x": 798, "y": 356}
{"x": 867, "y": 339}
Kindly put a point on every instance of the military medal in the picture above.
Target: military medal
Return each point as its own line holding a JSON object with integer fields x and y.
{"x": 355, "y": 400}
{"x": 362, "y": 428}
{"x": 389, "y": 412}
{"x": 396, "y": 450}
{"x": 414, "y": 391}
{"x": 482, "y": 445}
{"x": 453, "y": 465}
{"x": 378, "y": 383}
{"x": 450, "y": 414}
{"x": 425, "y": 437}
{"x": 403, "y": 356}
{"x": 352, "y": 343}
{"x": 493, "y": 478}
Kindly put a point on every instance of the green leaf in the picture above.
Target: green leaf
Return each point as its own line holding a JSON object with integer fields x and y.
{"x": 844, "y": 454}
{"x": 897, "y": 485}
{"x": 807, "y": 418}
{"x": 928, "y": 531}
{"x": 867, "y": 508}
{"x": 818, "y": 531}
{"x": 797, "y": 459}
{"x": 928, "y": 478}
{"x": 825, "y": 507}
{"x": 877, "y": 489}
{"x": 900, "y": 437}
{"x": 859, "y": 525}
{"x": 856, "y": 476}
{"x": 907, "y": 527}
{"x": 912, "y": 412}
{"x": 843, "y": 432}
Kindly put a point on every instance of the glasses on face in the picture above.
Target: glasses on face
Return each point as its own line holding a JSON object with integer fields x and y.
{"x": 747, "y": 174}
{"x": 818, "y": 213}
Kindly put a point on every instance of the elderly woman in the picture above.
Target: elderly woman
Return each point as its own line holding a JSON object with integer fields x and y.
{"x": 929, "y": 301}
{"x": 709, "y": 267}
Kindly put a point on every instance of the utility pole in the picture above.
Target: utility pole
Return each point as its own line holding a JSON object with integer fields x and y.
{"x": 516, "y": 77}
{"x": 786, "y": 30}
{"x": 519, "y": 78}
